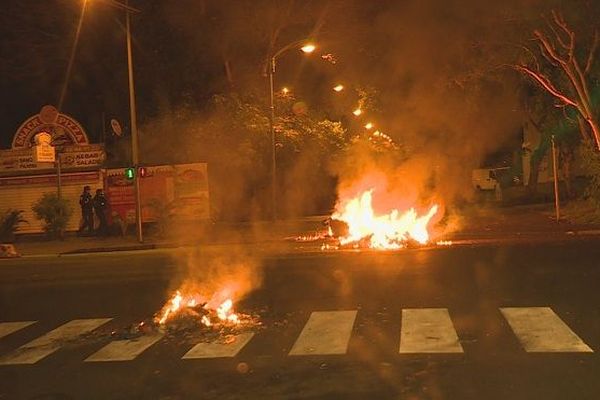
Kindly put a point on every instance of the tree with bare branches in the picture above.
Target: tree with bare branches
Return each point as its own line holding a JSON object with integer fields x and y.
{"x": 557, "y": 66}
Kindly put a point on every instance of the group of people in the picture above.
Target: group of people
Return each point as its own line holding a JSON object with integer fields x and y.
{"x": 93, "y": 205}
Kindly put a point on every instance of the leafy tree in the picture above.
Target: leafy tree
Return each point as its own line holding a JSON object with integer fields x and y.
{"x": 233, "y": 136}
{"x": 591, "y": 162}
{"x": 563, "y": 67}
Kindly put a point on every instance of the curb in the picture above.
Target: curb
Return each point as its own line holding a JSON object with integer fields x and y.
{"x": 458, "y": 239}
{"x": 113, "y": 249}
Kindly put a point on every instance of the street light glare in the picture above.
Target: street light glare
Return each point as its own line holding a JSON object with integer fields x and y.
{"x": 338, "y": 88}
{"x": 285, "y": 90}
{"x": 308, "y": 48}
{"x": 357, "y": 112}
{"x": 369, "y": 125}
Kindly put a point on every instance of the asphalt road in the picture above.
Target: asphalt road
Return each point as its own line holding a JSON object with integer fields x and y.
{"x": 481, "y": 322}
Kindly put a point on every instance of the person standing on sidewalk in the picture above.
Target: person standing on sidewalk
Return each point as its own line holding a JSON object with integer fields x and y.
{"x": 101, "y": 208}
{"x": 87, "y": 213}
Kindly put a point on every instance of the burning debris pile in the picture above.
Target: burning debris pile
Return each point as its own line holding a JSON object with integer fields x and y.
{"x": 192, "y": 307}
{"x": 189, "y": 317}
{"x": 355, "y": 225}
{"x": 202, "y": 309}
{"x": 392, "y": 230}
{"x": 204, "y": 302}
{"x": 191, "y": 311}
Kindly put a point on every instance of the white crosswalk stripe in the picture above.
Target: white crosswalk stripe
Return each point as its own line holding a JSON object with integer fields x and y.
{"x": 6, "y": 328}
{"x": 219, "y": 348}
{"x": 422, "y": 331}
{"x": 539, "y": 329}
{"x": 325, "y": 333}
{"x": 125, "y": 350}
{"x": 34, "y": 351}
{"x": 428, "y": 330}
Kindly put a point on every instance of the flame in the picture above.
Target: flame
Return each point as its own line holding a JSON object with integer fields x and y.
{"x": 387, "y": 231}
{"x": 178, "y": 303}
{"x": 225, "y": 312}
{"x": 171, "y": 307}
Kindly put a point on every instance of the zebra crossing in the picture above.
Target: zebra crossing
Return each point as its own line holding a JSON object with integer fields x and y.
{"x": 325, "y": 333}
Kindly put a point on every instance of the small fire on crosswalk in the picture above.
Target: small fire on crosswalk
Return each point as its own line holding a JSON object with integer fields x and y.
{"x": 214, "y": 311}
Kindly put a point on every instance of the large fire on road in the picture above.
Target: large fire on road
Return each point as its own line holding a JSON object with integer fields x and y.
{"x": 389, "y": 230}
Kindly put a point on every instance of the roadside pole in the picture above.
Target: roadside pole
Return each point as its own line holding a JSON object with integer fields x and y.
{"x": 555, "y": 168}
{"x": 58, "y": 177}
{"x": 134, "y": 132}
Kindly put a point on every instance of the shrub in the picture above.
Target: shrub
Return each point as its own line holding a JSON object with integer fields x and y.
{"x": 590, "y": 159}
{"x": 54, "y": 212}
{"x": 9, "y": 222}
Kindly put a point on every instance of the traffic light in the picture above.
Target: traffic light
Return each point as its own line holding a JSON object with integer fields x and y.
{"x": 142, "y": 172}
{"x": 129, "y": 173}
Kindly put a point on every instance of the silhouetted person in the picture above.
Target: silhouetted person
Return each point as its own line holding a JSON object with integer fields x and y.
{"x": 87, "y": 214}
{"x": 101, "y": 208}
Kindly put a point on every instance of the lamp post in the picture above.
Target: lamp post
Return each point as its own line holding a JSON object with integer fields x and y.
{"x": 306, "y": 48}
{"x": 132, "y": 113}
{"x": 134, "y": 132}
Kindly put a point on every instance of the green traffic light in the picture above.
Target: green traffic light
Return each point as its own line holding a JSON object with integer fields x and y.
{"x": 129, "y": 173}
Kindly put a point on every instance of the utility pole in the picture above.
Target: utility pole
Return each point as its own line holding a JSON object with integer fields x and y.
{"x": 273, "y": 142}
{"x": 58, "y": 176}
{"x": 555, "y": 168}
{"x": 134, "y": 132}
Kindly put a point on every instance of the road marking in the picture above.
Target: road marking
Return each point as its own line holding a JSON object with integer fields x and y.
{"x": 219, "y": 349}
{"x": 125, "y": 350}
{"x": 326, "y": 332}
{"x": 6, "y": 328}
{"x": 34, "y": 351}
{"x": 428, "y": 330}
{"x": 539, "y": 329}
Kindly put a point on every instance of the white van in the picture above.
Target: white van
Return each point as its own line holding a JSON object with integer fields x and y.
{"x": 487, "y": 178}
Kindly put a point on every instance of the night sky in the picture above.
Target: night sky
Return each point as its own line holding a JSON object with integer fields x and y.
{"x": 417, "y": 55}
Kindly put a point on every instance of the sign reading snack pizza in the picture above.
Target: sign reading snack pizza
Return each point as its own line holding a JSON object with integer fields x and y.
{"x": 46, "y": 136}
{"x": 63, "y": 129}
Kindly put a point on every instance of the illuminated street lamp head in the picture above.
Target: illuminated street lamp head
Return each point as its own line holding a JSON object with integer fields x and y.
{"x": 357, "y": 112}
{"x": 369, "y": 125}
{"x": 285, "y": 90}
{"x": 338, "y": 88}
{"x": 308, "y": 48}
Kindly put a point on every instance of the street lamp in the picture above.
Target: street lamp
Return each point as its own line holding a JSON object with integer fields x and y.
{"x": 132, "y": 110}
{"x": 305, "y": 48}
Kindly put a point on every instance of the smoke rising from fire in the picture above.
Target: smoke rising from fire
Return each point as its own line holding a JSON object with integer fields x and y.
{"x": 214, "y": 281}
{"x": 441, "y": 89}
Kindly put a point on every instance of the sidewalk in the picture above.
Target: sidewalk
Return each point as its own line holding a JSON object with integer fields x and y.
{"x": 226, "y": 234}
{"x": 475, "y": 224}
{"x": 519, "y": 220}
